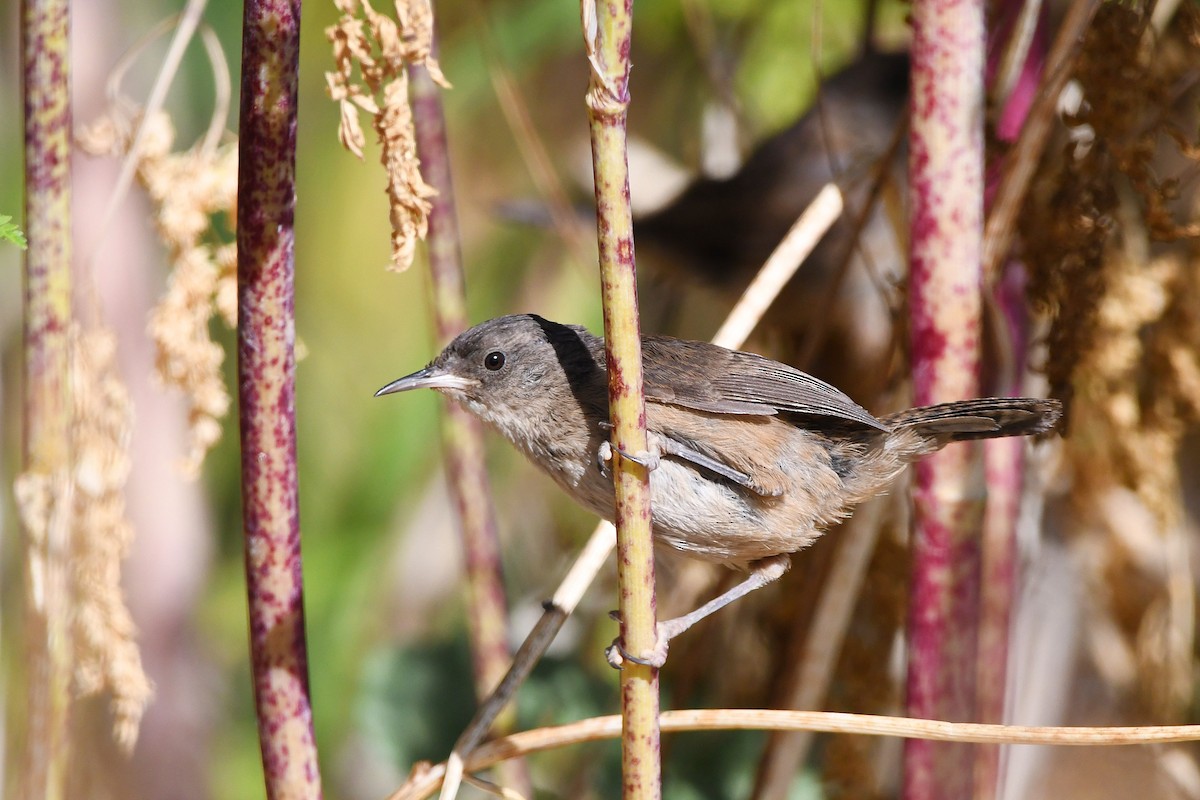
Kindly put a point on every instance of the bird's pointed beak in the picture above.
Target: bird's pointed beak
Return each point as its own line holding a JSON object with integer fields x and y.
{"x": 429, "y": 378}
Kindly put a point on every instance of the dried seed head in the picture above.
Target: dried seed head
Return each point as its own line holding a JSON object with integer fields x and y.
{"x": 189, "y": 189}
{"x": 381, "y": 49}
{"x": 106, "y": 652}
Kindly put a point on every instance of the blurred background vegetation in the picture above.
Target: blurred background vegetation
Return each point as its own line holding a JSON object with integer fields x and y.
{"x": 389, "y": 664}
{"x": 388, "y": 659}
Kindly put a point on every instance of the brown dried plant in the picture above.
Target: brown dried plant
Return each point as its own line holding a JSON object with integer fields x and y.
{"x": 1114, "y": 267}
{"x": 83, "y": 511}
{"x": 379, "y": 49}
{"x": 106, "y": 653}
{"x": 188, "y": 188}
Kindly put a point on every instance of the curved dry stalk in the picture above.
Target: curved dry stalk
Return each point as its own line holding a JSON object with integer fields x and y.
{"x": 426, "y": 779}
{"x": 267, "y": 392}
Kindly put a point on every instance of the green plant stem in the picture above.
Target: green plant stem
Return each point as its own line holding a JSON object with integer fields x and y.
{"x": 267, "y": 392}
{"x": 462, "y": 433}
{"x": 44, "y": 490}
{"x": 608, "y": 32}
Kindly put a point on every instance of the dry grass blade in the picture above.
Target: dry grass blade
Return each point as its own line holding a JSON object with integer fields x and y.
{"x": 185, "y": 25}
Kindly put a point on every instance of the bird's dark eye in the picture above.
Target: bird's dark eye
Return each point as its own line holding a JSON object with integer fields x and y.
{"x": 494, "y": 360}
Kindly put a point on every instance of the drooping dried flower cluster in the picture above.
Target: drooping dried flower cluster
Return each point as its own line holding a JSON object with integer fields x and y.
{"x": 188, "y": 189}
{"x": 106, "y": 653}
{"x": 382, "y": 48}
{"x": 79, "y": 534}
{"x": 1112, "y": 268}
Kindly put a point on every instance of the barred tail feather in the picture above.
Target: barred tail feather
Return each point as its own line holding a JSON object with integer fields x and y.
{"x": 987, "y": 418}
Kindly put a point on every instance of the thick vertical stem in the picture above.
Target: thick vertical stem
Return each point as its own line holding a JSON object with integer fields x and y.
{"x": 608, "y": 33}
{"x": 43, "y": 491}
{"x": 466, "y": 471}
{"x": 946, "y": 193}
{"x": 267, "y": 391}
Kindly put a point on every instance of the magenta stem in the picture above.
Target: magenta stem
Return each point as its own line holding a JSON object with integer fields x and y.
{"x": 946, "y": 194}
{"x": 267, "y": 393}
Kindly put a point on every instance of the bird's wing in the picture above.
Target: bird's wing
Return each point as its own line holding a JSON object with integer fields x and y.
{"x": 747, "y": 450}
{"x": 708, "y": 378}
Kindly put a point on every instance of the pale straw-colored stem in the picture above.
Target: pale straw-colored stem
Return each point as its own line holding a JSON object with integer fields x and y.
{"x": 425, "y": 779}
{"x": 43, "y": 491}
{"x": 608, "y": 32}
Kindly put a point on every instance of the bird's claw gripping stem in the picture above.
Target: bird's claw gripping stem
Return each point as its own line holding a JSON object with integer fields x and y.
{"x": 617, "y": 655}
{"x": 647, "y": 459}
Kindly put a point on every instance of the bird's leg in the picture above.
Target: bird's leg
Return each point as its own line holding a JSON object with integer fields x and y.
{"x": 762, "y": 572}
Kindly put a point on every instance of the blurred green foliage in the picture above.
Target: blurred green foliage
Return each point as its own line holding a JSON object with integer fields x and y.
{"x": 11, "y": 232}
{"x": 366, "y": 464}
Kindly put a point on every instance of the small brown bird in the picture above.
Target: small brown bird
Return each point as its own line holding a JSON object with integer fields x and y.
{"x": 751, "y": 458}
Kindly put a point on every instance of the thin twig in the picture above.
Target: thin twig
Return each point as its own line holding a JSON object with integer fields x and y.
{"x": 1016, "y": 52}
{"x": 186, "y": 24}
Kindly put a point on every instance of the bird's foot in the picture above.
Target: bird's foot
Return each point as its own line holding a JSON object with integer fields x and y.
{"x": 617, "y": 655}
{"x": 604, "y": 454}
{"x": 648, "y": 459}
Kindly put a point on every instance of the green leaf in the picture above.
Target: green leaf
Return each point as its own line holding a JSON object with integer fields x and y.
{"x": 11, "y": 232}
